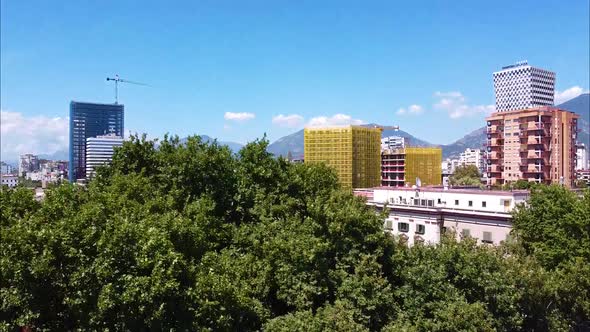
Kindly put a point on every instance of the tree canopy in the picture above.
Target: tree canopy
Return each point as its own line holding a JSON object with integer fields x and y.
{"x": 466, "y": 175}
{"x": 193, "y": 237}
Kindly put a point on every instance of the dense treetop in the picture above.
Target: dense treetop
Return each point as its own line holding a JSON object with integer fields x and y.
{"x": 192, "y": 237}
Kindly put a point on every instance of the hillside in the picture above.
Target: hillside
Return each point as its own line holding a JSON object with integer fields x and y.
{"x": 294, "y": 142}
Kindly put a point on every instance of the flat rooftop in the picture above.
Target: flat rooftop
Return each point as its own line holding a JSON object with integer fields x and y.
{"x": 452, "y": 190}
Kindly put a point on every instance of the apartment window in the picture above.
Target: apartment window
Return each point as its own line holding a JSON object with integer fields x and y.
{"x": 403, "y": 227}
{"x": 484, "y": 204}
{"x": 420, "y": 229}
{"x": 487, "y": 237}
{"x": 456, "y": 202}
{"x": 430, "y": 202}
{"x": 470, "y": 203}
{"x": 466, "y": 232}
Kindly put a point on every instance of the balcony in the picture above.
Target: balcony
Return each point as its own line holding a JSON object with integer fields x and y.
{"x": 495, "y": 155}
{"x": 495, "y": 169}
{"x": 535, "y": 154}
{"x": 533, "y": 168}
{"x": 393, "y": 171}
{"x": 496, "y": 142}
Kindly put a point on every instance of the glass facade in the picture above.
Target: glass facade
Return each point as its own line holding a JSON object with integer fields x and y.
{"x": 90, "y": 120}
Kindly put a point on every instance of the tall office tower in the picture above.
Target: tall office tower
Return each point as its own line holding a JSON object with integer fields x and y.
{"x": 581, "y": 157}
{"x": 400, "y": 167}
{"x": 28, "y": 163}
{"x": 521, "y": 86}
{"x": 90, "y": 120}
{"x": 353, "y": 151}
{"x": 99, "y": 151}
{"x": 532, "y": 144}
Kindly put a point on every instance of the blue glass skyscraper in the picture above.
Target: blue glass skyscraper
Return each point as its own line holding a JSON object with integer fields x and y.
{"x": 90, "y": 120}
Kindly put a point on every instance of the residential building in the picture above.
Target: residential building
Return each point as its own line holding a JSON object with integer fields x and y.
{"x": 99, "y": 151}
{"x": 521, "y": 86}
{"x": 533, "y": 144}
{"x": 28, "y": 163}
{"x": 423, "y": 214}
{"x": 353, "y": 151}
{"x": 90, "y": 120}
{"x": 9, "y": 180}
{"x": 473, "y": 157}
{"x": 403, "y": 166}
{"x": 581, "y": 157}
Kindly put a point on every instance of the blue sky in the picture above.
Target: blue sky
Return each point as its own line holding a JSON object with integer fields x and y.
{"x": 226, "y": 68}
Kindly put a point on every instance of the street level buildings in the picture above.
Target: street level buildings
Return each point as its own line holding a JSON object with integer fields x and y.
{"x": 99, "y": 151}
{"x": 405, "y": 166}
{"x": 533, "y": 144}
{"x": 28, "y": 163}
{"x": 521, "y": 86}
{"x": 353, "y": 151}
{"x": 422, "y": 215}
{"x": 90, "y": 120}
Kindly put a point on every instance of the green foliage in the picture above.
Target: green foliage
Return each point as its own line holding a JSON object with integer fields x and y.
{"x": 466, "y": 175}
{"x": 188, "y": 236}
{"x": 555, "y": 225}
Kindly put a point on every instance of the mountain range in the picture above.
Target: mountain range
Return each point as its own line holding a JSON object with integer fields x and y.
{"x": 473, "y": 140}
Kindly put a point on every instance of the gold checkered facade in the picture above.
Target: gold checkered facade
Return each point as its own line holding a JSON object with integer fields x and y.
{"x": 353, "y": 151}
{"x": 424, "y": 163}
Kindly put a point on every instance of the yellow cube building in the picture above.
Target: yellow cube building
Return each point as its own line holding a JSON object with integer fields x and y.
{"x": 423, "y": 163}
{"x": 353, "y": 151}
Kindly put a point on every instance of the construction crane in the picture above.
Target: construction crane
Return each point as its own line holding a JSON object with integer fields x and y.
{"x": 117, "y": 79}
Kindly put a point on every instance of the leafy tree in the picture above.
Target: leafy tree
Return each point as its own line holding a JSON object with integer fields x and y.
{"x": 466, "y": 175}
{"x": 554, "y": 225}
{"x": 188, "y": 236}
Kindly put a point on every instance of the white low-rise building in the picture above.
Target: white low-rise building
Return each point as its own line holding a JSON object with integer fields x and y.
{"x": 422, "y": 214}
{"x": 10, "y": 180}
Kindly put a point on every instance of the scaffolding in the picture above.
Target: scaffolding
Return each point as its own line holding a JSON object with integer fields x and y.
{"x": 353, "y": 151}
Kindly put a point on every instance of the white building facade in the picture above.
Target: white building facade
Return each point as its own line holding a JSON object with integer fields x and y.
{"x": 392, "y": 143}
{"x": 9, "y": 180}
{"x": 473, "y": 157}
{"x": 99, "y": 151}
{"x": 423, "y": 214}
{"x": 581, "y": 157}
{"x": 521, "y": 86}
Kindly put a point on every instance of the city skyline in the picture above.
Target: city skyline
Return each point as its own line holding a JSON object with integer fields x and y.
{"x": 237, "y": 72}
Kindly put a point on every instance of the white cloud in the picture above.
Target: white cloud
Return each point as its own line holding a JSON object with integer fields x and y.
{"x": 37, "y": 134}
{"x": 456, "y": 105}
{"x": 335, "y": 120}
{"x": 568, "y": 94}
{"x": 413, "y": 109}
{"x": 289, "y": 121}
{"x": 241, "y": 116}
